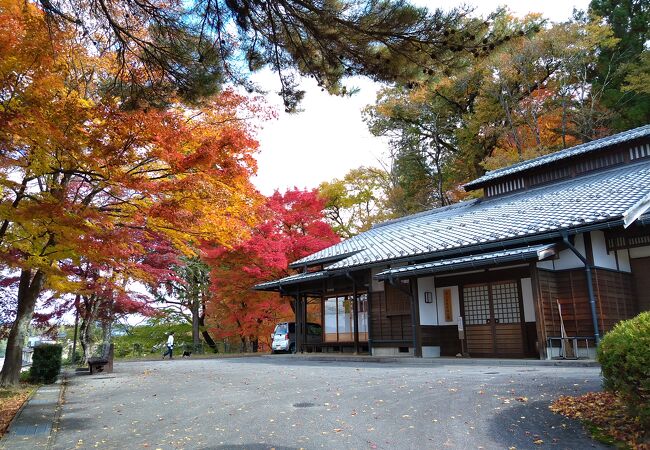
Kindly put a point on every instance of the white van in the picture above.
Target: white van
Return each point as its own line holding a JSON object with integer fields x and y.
{"x": 283, "y": 338}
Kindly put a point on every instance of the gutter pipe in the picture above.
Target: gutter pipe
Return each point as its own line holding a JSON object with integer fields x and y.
{"x": 590, "y": 286}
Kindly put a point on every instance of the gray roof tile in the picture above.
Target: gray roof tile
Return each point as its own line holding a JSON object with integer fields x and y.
{"x": 480, "y": 260}
{"x": 291, "y": 279}
{"x": 562, "y": 154}
{"x": 596, "y": 197}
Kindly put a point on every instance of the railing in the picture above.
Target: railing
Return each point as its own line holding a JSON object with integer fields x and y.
{"x": 568, "y": 347}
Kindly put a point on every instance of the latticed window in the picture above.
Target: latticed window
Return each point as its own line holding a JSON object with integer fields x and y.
{"x": 505, "y": 298}
{"x": 477, "y": 304}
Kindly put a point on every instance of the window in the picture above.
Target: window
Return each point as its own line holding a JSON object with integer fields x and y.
{"x": 331, "y": 329}
{"x": 363, "y": 316}
{"x": 496, "y": 303}
{"x": 339, "y": 318}
{"x": 506, "y": 302}
{"x": 477, "y": 305}
{"x": 346, "y": 322}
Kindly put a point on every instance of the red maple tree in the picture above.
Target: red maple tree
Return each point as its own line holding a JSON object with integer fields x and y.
{"x": 291, "y": 226}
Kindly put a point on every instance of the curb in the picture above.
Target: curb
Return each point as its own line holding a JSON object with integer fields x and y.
{"x": 58, "y": 410}
{"x": 433, "y": 362}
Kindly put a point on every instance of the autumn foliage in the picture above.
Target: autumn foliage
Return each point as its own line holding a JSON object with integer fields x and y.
{"x": 608, "y": 416}
{"x": 623, "y": 411}
{"x": 91, "y": 190}
{"x": 291, "y": 226}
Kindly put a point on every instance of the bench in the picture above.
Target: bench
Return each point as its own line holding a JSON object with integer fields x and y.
{"x": 103, "y": 363}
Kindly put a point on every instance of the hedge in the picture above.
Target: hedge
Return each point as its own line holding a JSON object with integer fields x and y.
{"x": 624, "y": 354}
{"x": 46, "y": 363}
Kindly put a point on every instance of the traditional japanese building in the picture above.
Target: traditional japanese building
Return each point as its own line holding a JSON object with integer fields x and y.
{"x": 557, "y": 246}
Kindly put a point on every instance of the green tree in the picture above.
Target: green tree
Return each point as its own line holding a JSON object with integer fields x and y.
{"x": 617, "y": 65}
{"x": 189, "y": 48}
{"x": 186, "y": 296}
{"x": 530, "y": 96}
{"x": 357, "y": 201}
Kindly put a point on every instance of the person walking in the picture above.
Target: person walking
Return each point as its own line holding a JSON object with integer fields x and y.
{"x": 170, "y": 345}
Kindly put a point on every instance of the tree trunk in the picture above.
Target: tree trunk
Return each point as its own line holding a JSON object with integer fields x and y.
{"x": 107, "y": 331}
{"x": 29, "y": 289}
{"x": 196, "y": 339}
{"x": 206, "y": 336}
{"x": 85, "y": 329}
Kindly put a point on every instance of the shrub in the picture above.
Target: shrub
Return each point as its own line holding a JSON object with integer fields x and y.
{"x": 46, "y": 363}
{"x": 624, "y": 354}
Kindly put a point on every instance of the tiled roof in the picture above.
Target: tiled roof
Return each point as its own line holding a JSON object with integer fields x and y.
{"x": 292, "y": 279}
{"x": 562, "y": 154}
{"x": 464, "y": 262}
{"x": 590, "y": 199}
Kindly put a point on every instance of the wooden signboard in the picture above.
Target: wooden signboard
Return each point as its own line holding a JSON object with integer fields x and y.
{"x": 449, "y": 313}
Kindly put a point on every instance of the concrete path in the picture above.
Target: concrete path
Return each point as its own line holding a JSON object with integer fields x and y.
{"x": 284, "y": 402}
{"x": 33, "y": 425}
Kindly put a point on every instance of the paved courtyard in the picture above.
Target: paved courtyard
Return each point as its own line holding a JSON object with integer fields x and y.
{"x": 282, "y": 402}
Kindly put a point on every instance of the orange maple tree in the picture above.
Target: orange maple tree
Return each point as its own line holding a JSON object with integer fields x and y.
{"x": 81, "y": 176}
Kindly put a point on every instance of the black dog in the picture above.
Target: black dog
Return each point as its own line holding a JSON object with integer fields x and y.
{"x": 187, "y": 354}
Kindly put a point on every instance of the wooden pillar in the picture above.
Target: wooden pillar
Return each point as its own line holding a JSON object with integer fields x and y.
{"x": 369, "y": 308}
{"x": 304, "y": 324}
{"x": 415, "y": 318}
{"x": 298, "y": 323}
{"x": 355, "y": 307}
{"x": 539, "y": 311}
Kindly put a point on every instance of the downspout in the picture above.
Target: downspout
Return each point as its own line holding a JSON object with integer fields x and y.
{"x": 590, "y": 286}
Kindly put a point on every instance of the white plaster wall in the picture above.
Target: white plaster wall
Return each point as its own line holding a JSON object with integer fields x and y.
{"x": 430, "y": 351}
{"x": 376, "y": 285}
{"x": 527, "y": 297}
{"x": 640, "y": 252}
{"x": 567, "y": 259}
{"x": 427, "y": 310}
{"x": 455, "y": 301}
{"x": 623, "y": 260}
{"x": 599, "y": 249}
{"x": 548, "y": 265}
{"x": 390, "y": 351}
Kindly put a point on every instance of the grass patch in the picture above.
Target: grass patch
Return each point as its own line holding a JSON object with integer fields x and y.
{"x": 606, "y": 417}
{"x": 11, "y": 399}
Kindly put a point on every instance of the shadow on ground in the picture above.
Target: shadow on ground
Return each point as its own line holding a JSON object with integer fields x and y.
{"x": 530, "y": 425}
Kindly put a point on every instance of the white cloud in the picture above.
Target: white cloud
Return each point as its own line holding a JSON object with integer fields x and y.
{"x": 322, "y": 142}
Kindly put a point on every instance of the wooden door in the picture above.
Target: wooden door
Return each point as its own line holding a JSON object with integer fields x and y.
{"x": 493, "y": 319}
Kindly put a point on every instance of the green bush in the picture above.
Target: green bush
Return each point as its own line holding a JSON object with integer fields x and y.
{"x": 624, "y": 354}
{"x": 46, "y": 363}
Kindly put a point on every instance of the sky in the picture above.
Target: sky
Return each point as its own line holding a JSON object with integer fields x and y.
{"x": 329, "y": 138}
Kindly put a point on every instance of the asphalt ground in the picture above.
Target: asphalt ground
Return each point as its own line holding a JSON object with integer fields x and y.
{"x": 282, "y": 402}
